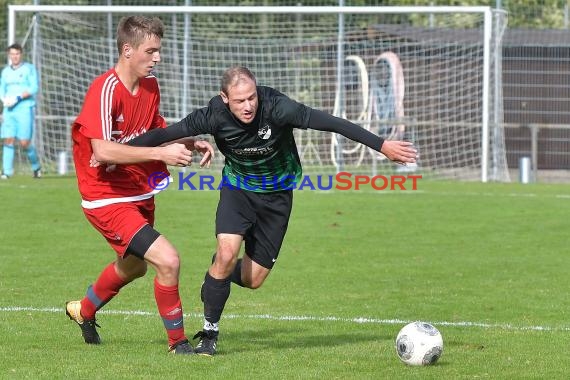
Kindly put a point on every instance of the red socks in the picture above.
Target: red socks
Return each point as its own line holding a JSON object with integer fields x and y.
{"x": 102, "y": 291}
{"x": 170, "y": 310}
{"x": 167, "y": 299}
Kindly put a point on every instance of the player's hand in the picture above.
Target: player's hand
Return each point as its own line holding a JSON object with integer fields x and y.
{"x": 401, "y": 152}
{"x": 207, "y": 151}
{"x": 176, "y": 155}
{"x": 11, "y": 101}
{"x": 95, "y": 164}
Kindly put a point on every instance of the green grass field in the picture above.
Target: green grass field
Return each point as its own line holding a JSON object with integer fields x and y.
{"x": 485, "y": 263}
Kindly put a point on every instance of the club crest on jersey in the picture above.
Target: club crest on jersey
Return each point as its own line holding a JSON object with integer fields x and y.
{"x": 264, "y": 132}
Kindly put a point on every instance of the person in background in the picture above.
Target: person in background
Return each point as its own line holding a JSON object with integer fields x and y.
{"x": 18, "y": 89}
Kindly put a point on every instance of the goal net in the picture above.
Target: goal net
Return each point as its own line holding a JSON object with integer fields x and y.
{"x": 430, "y": 75}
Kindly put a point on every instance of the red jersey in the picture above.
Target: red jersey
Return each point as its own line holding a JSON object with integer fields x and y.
{"x": 111, "y": 112}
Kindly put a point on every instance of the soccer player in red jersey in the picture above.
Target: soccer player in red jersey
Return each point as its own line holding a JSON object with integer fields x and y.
{"x": 114, "y": 179}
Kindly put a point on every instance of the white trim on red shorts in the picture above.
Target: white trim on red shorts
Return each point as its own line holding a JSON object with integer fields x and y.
{"x": 110, "y": 201}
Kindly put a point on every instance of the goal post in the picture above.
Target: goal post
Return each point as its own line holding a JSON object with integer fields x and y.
{"x": 427, "y": 74}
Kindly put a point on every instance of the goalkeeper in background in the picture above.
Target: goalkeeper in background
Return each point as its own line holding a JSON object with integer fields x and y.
{"x": 253, "y": 128}
{"x": 18, "y": 88}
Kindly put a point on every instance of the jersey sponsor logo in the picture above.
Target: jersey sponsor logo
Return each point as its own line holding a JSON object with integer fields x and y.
{"x": 264, "y": 132}
{"x": 253, "y": 151}
{"x": 117, "y": 136}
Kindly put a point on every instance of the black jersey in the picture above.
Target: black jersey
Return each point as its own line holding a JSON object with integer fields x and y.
{"x": 261, "y": 156}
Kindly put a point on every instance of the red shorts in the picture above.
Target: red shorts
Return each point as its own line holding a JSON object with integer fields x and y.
{"x": 119, "y": 222}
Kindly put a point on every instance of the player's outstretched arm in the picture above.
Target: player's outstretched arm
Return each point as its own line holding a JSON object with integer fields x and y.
{"x": 110, "y": 152}
{"x": 401, "y": 152}
{"x": 159, "y": 136}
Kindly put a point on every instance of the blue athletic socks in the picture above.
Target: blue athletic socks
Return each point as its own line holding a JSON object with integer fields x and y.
{"x": 8, "y": 160}
{"x": 33, "y": 157}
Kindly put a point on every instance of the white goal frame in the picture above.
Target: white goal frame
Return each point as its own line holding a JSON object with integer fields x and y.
{"x": 13, "y": 10}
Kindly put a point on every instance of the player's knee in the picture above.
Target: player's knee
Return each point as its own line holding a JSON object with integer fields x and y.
{"x": 170, "y": 262}
{"x": 137, "y": 273}
{"x": 140, "y": 271}
{"x": 253, "y": 282}
{"x": 225, "y": 259}
{"x": 167, "y": 266}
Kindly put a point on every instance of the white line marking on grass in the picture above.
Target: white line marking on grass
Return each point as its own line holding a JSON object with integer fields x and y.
{"x": 360, "y": 320}
{"x": 446, "y": 193}
{"x": 498, "y": 194}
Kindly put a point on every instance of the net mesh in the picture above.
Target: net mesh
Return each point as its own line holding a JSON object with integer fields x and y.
{"x": 403, "y": 76}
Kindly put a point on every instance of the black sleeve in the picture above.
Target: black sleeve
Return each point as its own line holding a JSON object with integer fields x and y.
{"x": 158, "y": 136}
{"x": 200, "y": 122}
{"x": 286, "y": 111}
{"x": 323, "y": 121}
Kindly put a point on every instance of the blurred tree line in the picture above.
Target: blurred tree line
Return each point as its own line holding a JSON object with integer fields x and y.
{"x": 522, "y": 14}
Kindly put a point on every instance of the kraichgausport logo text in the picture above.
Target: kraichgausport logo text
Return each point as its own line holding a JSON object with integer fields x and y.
{"x": 340, "y": 181}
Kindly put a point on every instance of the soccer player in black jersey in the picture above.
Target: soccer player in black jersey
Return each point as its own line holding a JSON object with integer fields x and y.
{"x": 253, "y": 128}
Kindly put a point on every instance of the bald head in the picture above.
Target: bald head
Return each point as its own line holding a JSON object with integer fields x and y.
{"x": 234, "y": 76}
{"x": 239, "y": 92}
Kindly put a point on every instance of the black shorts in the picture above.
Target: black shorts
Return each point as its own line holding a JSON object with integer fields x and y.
{"x": 261, "y": 218}
{"x": 141, "y": 242}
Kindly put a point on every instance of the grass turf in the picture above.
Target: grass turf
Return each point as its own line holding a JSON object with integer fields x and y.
{"x": 485, "y": 263}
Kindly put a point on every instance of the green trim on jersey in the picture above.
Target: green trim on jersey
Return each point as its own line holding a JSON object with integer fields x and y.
{"x": 279, "y": 171}
{"x": 261, "y": 156}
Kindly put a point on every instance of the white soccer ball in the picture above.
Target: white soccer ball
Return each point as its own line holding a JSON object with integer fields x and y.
{"x": 419, "y": 343}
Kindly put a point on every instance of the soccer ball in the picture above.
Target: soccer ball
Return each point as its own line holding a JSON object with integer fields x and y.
{"x": 419, "y": 343}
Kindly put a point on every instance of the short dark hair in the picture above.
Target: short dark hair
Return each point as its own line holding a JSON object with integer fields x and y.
{"x": 133, "y": 29}
{"x": 15, "y": 46}
{"x": 232, "y": 75}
